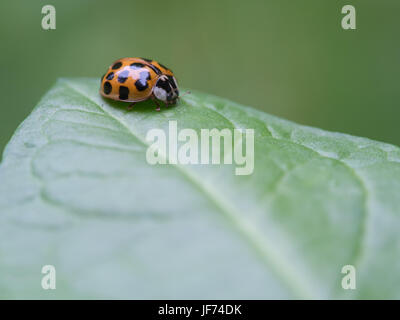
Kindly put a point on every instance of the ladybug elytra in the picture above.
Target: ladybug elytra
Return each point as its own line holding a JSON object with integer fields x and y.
{"x": 138, "y": 79}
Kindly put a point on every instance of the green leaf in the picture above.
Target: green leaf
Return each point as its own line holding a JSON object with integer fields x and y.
{"x": 76, "y": 192}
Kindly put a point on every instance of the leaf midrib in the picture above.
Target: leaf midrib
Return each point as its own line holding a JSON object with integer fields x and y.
{"x": 358, "y": 252}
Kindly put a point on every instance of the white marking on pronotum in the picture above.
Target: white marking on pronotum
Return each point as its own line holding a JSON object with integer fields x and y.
{"x": 160, "y": 93}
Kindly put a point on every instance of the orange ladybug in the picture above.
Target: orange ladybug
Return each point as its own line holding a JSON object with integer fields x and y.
{"x": 138, "y": 79}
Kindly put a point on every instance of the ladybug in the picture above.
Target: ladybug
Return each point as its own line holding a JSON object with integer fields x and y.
{"x": 138, "y": 79}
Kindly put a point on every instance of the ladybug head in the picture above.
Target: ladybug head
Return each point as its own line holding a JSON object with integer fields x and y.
{"x": 166, "y": 89}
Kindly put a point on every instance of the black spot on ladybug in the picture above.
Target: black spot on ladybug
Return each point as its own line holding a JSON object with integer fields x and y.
{"x": 117, "y": 65}
{"x": 164, "y": 84}
{"x": 137, "y": 65}
{"x": 147, "y": 60}
{"x": 122, "y": 76}
{"x": 107, "y": 87}
{"x": 155, "y": 69}
{"x": 172, "y": 82}
{"x": 110, "y": 76}
{"x": 141, "y": 84}
{"x": 123, "y": 93}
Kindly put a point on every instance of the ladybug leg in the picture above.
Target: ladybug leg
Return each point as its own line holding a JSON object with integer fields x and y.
{"x": 130, "y": 107}
{"x": 156, "y": 102}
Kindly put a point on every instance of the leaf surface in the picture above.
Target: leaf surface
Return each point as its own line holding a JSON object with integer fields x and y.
{"x": 76, "y": 192}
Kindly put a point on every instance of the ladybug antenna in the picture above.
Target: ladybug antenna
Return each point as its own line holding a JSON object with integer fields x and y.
{"x": 186, "y": 92}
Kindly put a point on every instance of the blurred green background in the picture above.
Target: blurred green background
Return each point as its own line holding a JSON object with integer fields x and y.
{"x": 288, "y": 58}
